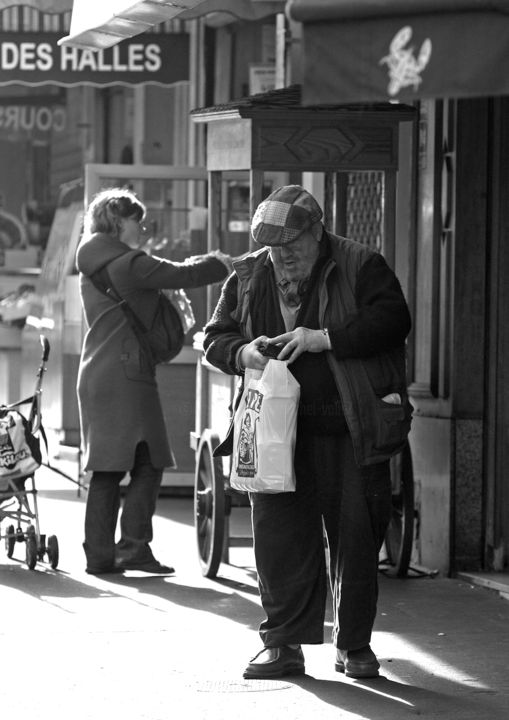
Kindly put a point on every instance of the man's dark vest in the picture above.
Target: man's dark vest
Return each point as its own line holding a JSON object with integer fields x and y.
{"x": 378, "y": 429}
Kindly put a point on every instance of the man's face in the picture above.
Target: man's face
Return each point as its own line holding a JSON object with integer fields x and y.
{"x": 295, "y": 259}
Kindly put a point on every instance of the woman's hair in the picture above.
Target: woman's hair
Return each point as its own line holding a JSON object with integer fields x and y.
{"x": 109, "y": 207}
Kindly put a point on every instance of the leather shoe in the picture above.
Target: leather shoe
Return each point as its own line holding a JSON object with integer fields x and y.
{"x": 150, "y": 566}
{"x": 360, "y": 663}
{"x": 103, "y": 571}
{"x": 274, "y": 662}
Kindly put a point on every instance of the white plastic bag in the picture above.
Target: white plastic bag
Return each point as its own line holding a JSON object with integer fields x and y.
{"x": 265, "y": 428}
{"x": 183, "y": 306}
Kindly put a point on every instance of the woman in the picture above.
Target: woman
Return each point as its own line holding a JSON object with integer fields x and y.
{"x": 122, "y": 422}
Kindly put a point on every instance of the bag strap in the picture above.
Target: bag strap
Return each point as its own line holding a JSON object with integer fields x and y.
{"x": 102, "y": 281}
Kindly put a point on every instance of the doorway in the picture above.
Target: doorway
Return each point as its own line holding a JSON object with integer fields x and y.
{"x": 496, "y": 551}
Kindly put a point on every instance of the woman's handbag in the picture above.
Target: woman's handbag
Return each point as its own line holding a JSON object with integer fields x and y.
{"x": 164, "y": 339}
{"x": 265, "y": 426}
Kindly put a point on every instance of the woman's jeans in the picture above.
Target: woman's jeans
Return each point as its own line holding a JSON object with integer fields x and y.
{"x": 103, "y": 504}
{"x": 353, "y": 506}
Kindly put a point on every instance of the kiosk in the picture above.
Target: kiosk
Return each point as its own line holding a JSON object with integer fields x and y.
{"x": 268, "y": 133}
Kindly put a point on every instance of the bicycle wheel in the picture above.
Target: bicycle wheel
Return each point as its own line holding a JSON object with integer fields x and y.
{"x": 400, "y": 533}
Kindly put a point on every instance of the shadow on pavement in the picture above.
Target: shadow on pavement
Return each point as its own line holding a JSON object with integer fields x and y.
{"x": 43, "y": 582}
{"x": 237, "y": 585}
{"x": 230, "y": 605}
{"x": 385, "y": 699}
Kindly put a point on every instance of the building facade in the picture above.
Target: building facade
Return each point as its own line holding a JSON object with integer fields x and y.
{"x": 451, "y": 190}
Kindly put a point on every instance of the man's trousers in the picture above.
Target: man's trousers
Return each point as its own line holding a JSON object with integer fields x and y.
{"x": 335, "y": 500}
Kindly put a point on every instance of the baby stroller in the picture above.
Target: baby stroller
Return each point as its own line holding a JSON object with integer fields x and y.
{"x": 20, "y": 457}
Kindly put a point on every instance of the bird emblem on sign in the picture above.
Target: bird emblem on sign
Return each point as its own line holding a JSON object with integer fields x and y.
{"x": 404, "y": 67}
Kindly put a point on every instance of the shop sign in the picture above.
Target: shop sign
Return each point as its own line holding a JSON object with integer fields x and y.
{"x": 367, "y": 55}
{"x": 22, "y": 118}
{"x": 262, "y": 78}
{"x": 36, "y": 59}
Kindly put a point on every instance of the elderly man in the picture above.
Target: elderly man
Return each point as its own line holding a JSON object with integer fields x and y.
{"x": 336, "y": 314}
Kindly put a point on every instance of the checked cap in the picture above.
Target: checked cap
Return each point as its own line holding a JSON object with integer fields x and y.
{"x": 284, "y": 215}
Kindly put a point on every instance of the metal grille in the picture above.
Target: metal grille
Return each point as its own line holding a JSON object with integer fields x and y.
{"x": 365, "y": 208}
{"x": 20, "y": 18}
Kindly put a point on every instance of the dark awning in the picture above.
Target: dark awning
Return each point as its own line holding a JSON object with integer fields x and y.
{"x": 375, "y": 50}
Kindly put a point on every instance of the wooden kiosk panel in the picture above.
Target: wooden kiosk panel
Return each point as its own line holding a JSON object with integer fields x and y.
{"x": 272, "y": 131}
{"x": 325, "y": 145}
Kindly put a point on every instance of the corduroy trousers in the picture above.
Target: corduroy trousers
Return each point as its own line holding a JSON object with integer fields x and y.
{"x": 337, "y": 508}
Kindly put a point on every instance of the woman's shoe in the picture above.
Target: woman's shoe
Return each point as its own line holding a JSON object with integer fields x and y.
{"x": 275, "y": 662}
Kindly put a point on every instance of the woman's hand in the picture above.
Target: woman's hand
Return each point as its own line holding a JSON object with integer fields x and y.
{"x": 300, "y": 340}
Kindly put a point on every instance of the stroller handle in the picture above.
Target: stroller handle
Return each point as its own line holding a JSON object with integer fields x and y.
{"x": 45, "y": 347}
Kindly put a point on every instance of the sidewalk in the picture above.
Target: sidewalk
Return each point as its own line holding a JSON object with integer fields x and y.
{"x": 138, "y": 647}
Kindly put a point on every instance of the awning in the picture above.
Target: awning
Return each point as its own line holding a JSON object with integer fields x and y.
{"x": 376, "y": 50}
{"x": 104, "y": 23}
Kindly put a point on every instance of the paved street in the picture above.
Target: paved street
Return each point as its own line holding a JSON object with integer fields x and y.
{"x": 142, "y": 647}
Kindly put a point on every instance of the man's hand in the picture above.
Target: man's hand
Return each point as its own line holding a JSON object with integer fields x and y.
{"x": 300, "y": 340}
{"x": 251, "y": 357}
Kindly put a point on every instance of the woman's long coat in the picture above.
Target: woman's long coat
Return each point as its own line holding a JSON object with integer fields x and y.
{"x": 117, "y": 392}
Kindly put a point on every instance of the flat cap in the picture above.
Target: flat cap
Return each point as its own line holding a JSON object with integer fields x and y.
{"x": 284, "y": 215}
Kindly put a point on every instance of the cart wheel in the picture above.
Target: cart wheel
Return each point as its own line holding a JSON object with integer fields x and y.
{"x": 52, "y": 551}
{"x": 31, "y": 547}
{"x": 400, "y": 533}
{"x": 10, "y": 541}
{"x": 209, "y": 505}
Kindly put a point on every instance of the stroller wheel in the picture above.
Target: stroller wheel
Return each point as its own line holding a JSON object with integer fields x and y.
{"x": 52, "y": 551}
{"x": 31, "y": 547}
{"x": 10, "y": 541}
{"x": 41, "y": 548}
